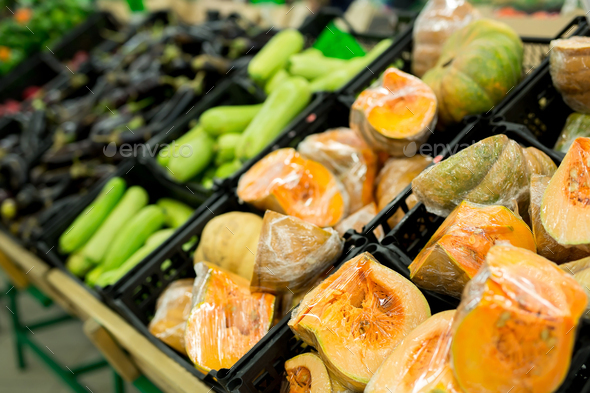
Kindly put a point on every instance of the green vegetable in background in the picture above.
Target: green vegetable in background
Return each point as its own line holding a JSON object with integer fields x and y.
{"x": 228, "y": 119}
{"x": 275, "y": 54}
{"x": 227, "y": 169}
{"x": 226, "y": 148}
{"x": 175, "y": 213}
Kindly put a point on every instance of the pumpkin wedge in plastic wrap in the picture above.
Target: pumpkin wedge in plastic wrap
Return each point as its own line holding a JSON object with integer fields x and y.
{"x": 307, "y": 373}
{"x": 397, "y": 114}
{"x": 226, "y": 320}
{"x": 292, "y": 253}
{"x": 565, "y": 208}
{"x": 357, "y": 316}
{"x": 547, "y": 247}
{"x": 287, "y": 183}
{"x": 346, "y": 154}
{"x": 577, "y": 125}
{"x": 494, "y": 171}
{"x": 516, "y": 325}
{"x": 456, "y": 251}
{"x": 420, "y": 363}
{"x": 580, "y": 269}
{"x": 478, "y": 66}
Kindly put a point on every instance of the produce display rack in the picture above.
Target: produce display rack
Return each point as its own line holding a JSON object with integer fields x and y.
{"x": 133, "y": 173}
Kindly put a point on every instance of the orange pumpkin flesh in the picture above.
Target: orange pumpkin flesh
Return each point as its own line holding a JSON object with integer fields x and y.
{"x": 347, "y": 155}
{"x": 420, "y": 363}
{"x": 515, "y": 327}
{"x": 226, "y": 319}
{"x": 565, "y": 209}
{"x": 400, "y": 111}
{"x": 172, "y": 311}
{"x": 458, "y": 248}
{"x": 547, "y": 247}
{"x": 287, "y": 183}
{"x": 307, "y": 373}
{"x": 357, "y": 316}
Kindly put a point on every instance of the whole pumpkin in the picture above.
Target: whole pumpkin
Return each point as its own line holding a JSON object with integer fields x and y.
{"x": 478, "y": 66}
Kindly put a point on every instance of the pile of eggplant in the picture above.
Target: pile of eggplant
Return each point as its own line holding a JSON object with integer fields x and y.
{"x": 67, "y": 136}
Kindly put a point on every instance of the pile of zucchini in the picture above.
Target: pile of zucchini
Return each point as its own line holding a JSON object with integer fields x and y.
{"x": 117, "y": 231}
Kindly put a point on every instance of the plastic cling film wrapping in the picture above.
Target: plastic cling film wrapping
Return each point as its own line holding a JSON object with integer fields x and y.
{"x": 307, "y": 373}
{"x": 580, "y": 269}
{"x": 493, "y": 171}
{"x": 226, "y": 320}
{"x": 287, "y": 183}
{"x": 172, "y": 311}
{"x": 570, "y": 71}
{"x": 292, "y": 253}
{"x": 435, "y": 24}
{"x": 576, "y": 125}
{"x": 566, "y": 201}
{"x": 394, "y": 177}
{"x": 396, "y": 115}
{"x": 547, "y": 246}
{"x": 538, "y": 163}
{"x": 356, "y": 316}
{"x": 421, "y": 362}
{"x": 343, "y": 152}
{"x": 359, "y": 219}
{"x": 458, "y": 248}
{"x": 515, "y": 327}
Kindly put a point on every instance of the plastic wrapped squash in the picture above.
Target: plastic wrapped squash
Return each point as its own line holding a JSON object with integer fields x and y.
{"x": 343, "y": 152}
{"x": 493, "y": 171}
{"x": 456, "y": 251}
{"x": 226, "y": 320}
{"x": 570, "y": 74}
{"x": 287, "y": 183}
{"x": 515, "y": 327}
{"x": 396, "y": 114}
{"x": 547, "y": 246}
{"x": 421, "y": 362}
{"x": 357, "y": 316}
{"x": 292, "y": 253}
{"x": 172, "y": 311}
{"x": 359, "y": 219}
{"x": 576, "y": 125}
{"x": 435, "y": 24}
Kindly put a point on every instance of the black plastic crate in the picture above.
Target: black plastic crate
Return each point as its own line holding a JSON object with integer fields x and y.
{"x": 135, "y": 297}
{"x": 399, "y": 55}
{"x": 264, "y": 372}
{"x": 134, "y": 174}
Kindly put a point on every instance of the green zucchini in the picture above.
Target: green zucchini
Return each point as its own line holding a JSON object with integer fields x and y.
{"x": 134, "y": 199}
{"x": 90, "y": 219}
{"x": 93, "y": 275}
{"x": 226, "y": 148}
{"x": 173, "y": 149}
{"x": 175, "y": 213}
{"x": 275, "y": 80}
{"x": 312, "y": 66}
{"x": 186, "y": 167}
{"x": 227, "y": 169}
{"x": 78, "y": 265}
{"x": 112, "y": 276}
{"x": 281, "y": 106}
{"x": 275, "y": 55}
{"x": 133, "y": 235}
{"x": 228, "y": 119}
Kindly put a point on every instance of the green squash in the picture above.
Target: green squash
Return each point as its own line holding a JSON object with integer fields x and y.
{"x": 576, "y": 125}
{"x": 478, "y": 66}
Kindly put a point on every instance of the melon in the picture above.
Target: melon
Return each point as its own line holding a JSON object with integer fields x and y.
{"x": 287, "y": 183}
{"x": 397, "y": 114}
{"x": 490, "y": 172}
{"x": 515, "y": 327}
{"x": 547, "y": 247}
{"x": 347, "y": 155}
{"x": 172, "y": 311}
{"x": 226, "y": 320}
{"x": 420, "y": 363}
{"x": 565, "y": 208}
{"x": 307, "y": 373}
{"x": 292, "y": 253}
{"x": 456, "y": 251}
{"x": 357, "y": 316}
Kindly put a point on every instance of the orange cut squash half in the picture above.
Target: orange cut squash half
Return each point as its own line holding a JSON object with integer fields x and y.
{"x": 357, "y": 316}
{"x": 565, "y": 209}
{"x": 226, "y": 320}
{"x": 307, "y": 373}
{"x": 396, "y": 115}
{"x": 287, "y": 183}
{"x": 347, "y": 155}
{"x": 456, "y": 251}
{"x": 421, "y": 362}
{"x": 515, "y": 327}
